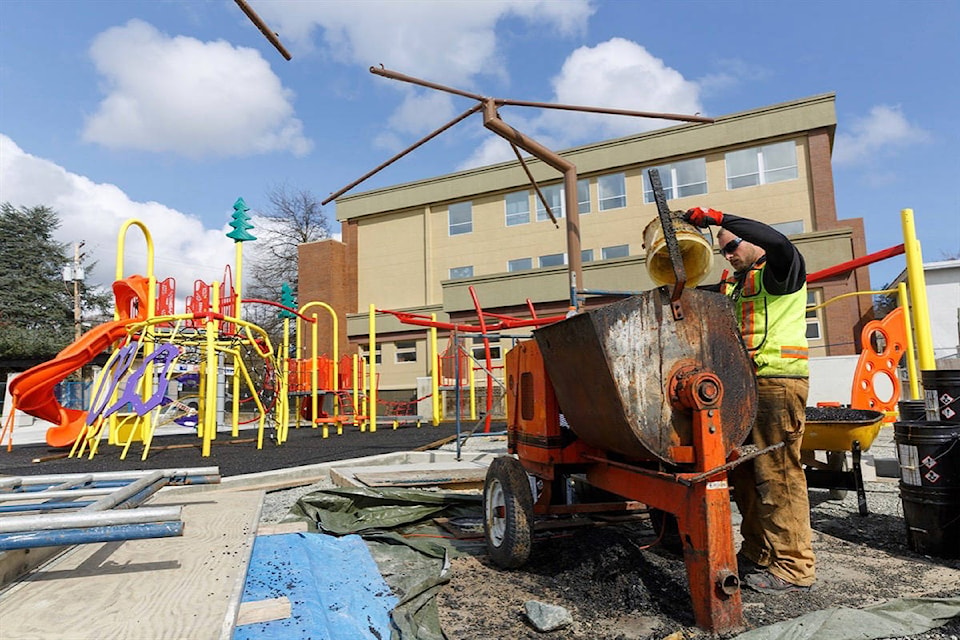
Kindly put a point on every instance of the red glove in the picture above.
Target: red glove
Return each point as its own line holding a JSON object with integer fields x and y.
{"x": 703, "y": 219}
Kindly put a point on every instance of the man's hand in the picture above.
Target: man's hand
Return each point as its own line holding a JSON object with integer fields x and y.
{"x": 703, "y": 218}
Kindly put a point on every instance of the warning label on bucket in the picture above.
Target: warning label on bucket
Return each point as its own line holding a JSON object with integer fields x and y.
{"x": 909, "y": 464}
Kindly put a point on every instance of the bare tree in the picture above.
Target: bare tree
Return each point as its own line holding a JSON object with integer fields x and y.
{"x": 295, "y": 217}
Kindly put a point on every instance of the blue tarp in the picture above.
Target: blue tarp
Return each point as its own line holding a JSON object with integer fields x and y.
{"x": 336, "y": 591}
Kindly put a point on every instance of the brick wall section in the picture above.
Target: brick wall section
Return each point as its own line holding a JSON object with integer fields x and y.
{"x": 328, "y": 273}
{"x": 844, "y": 319}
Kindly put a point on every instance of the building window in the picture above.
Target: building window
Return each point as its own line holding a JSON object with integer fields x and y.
{"x": 478, "y": 352}
{"x": 405, "y": 351}
{"x": 583, "y": 196}
{"x": 679, "y": 179}
{"x": 618, "y": 251}
{"x": 517, "y": 206}
{"x": 553, "y": 260}
{"x": 612, "y": 191}
{"x": 520, "y": 264}
{"x": 792, "y": 228}
{"x": 586, "y": 255}
{"x": 554, "y": 197}
{"x": 813, "y": 317}
{"x": 460, "y": 218}
{"x": 461, "y": 272}
{"x": 761, "y": 165}
{"x": 365, "y": 353}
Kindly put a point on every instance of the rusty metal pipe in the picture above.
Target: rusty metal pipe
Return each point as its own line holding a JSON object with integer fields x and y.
{"x": 606, "y": 111}
{"x": 264, "y": 29}
{"x": 423, "y": 140}
{"x": 533, "y": 183}
{"x": 396, "y": 75}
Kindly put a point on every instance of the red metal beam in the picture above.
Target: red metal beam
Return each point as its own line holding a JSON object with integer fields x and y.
{"x": 856, "y": 263}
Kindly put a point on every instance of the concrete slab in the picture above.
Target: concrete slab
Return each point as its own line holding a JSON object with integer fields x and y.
{"x": 452, "y": 474}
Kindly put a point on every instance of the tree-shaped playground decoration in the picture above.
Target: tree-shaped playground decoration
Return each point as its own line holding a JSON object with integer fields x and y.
{"x": 241, "y": 222}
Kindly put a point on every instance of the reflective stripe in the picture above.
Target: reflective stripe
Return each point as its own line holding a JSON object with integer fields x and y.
{"x": 794, "y": 352}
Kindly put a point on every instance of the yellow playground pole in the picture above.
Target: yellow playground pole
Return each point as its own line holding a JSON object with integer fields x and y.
{"x": 209, "y": 421}
{"x": 472, "y": 381}
{"x": 918, "y": 292}
{"x": 372, "y": 396}
{"x": 435, "y": 372}
{"x": 314, "y": 340}
{"x": 283, "y": 405}
{"x": 908, "y": 329}
{"x": 355, "y": 374}
{"x": 146, "y": 422}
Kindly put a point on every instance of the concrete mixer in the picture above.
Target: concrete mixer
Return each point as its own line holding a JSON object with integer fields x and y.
{"x": 648, "y": 398}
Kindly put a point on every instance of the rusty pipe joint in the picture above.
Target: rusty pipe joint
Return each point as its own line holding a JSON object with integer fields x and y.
{"x": 727, "y": 582}
{"x": 692, "y": 388}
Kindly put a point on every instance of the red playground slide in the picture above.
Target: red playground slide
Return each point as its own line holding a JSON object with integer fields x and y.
{"x": 33, "y": 390}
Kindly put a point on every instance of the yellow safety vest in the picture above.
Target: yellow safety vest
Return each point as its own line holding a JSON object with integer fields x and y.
{"x": 774, "y": 327}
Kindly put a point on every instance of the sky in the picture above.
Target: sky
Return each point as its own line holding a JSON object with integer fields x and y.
{"x": 167, "y": 111}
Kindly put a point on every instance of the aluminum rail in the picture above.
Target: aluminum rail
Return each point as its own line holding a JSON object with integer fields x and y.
{"x": 78, "y": 519}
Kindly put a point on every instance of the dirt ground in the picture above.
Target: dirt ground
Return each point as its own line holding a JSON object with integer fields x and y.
{"x": 615, "y": 590}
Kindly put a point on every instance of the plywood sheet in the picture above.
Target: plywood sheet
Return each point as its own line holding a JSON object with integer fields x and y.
{"x": 185, "y": 587}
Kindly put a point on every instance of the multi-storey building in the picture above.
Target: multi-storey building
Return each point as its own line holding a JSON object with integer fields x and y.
{"x": 420, "y": 246}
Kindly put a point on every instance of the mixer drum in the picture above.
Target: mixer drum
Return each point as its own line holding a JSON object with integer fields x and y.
{"x": 611, "y": 367}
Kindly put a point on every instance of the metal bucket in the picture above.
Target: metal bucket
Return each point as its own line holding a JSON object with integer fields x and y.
{"x": 695, "y": 251}
{"x": 610, "y": 368}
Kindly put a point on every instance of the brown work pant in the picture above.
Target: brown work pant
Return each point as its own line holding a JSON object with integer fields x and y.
{"x": 771, "y": 490}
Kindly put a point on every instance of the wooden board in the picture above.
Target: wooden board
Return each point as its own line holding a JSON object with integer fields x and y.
{"x": 442, "y": 477}
{"x": 264, "y": 610}
{"x": 185, "y": 587}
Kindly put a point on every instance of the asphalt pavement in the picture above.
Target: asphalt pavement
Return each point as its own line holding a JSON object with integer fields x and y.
{"x": 234, "y": 456}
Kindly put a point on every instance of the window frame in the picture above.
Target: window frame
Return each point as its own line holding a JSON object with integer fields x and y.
{"x": 511, "y": 265}
{"x": 583, "y": 184}
{"x": 458, "y": 277}
{"x": 558, "y": 211}
{"x": 399, "y": 352}
{"x": 562, "y": 256}
{"x": 476, "y": 350}
{"x": 762, "y": 173}
{"x": 365, "y": 352}
{"x": 463, "y": 227}
{"x": 816, "y": 319}
{"x": 615, "y": 248}
{"x": 615, "y": 201}
{"x": 669, "y": 177}
{"x": 506, "y": 209}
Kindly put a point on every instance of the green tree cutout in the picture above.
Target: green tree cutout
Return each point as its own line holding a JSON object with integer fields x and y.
{"x": 240, "y": 222}
{"x": 287, "y": 300}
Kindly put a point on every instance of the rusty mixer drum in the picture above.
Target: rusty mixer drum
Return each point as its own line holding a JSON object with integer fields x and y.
{"x": 611, "y": 368}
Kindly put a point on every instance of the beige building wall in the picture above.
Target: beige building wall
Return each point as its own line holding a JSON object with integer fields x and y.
{"x": 404, "y": 252}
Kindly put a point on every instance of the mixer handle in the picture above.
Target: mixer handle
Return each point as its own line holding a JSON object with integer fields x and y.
{"x": 670, "y": 237}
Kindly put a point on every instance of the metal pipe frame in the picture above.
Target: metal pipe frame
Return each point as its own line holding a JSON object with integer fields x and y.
{"x": 114, "y": 533}
{"x": 12, "y": 524}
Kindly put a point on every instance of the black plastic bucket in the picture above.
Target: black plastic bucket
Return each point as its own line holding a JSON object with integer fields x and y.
{"x": 929, "y": 455}
{"x": 912, "y": 410}
{"x": 942, "y": 394}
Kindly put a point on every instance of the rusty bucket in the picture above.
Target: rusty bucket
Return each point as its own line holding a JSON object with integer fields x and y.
{"x": 611, "y": 368}
{"x": 695, "y": 251}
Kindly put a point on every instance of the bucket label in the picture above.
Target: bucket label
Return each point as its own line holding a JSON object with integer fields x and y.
{"x": 946, "y": 398}
{"x": 929, "y": 462}
{"x": 909, "y": 464}
{"x": 932, "y": 476}
{"x": 948, "y": 413}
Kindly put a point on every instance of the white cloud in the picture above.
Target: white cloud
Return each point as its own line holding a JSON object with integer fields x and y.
{"x": 883, "y": 130}
{"x": 450, "y": 43}
{"x": 184, "y": 96}
{"x": 94, "y": 213}
{"x": 617, "y": 74}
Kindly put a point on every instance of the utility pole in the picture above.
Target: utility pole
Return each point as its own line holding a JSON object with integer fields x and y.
{"x": 75, "y": 274}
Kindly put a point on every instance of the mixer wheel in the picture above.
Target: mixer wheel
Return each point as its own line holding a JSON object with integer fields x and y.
{"x": 508, "y": 513}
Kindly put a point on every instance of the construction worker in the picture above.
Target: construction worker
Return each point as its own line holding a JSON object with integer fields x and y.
{"x": 769, "y": 291}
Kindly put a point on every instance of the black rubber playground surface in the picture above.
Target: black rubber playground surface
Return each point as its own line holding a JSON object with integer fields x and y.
{"x": 234, "y": 456}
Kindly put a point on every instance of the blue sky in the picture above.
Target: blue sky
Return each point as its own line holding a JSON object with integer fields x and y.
{"x": 168, "y": 111}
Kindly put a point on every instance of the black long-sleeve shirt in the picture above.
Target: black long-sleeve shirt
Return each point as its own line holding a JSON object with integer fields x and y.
{"x": 786, "y": 270}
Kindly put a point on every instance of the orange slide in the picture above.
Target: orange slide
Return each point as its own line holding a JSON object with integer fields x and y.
{"x": 33, "y": 390}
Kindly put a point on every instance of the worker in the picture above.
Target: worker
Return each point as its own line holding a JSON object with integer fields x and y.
{"x": 769, "y": 291}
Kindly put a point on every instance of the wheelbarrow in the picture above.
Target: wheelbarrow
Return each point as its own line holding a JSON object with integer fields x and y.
{"x": 837, "y": 430}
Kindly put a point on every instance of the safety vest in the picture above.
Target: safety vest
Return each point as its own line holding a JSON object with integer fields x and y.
{"x": 774, "y": 327}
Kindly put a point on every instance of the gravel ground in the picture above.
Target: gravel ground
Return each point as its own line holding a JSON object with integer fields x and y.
{"x": 617, "y": 589}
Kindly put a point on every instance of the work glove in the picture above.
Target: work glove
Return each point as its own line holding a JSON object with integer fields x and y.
{"x": 703, "y": 218}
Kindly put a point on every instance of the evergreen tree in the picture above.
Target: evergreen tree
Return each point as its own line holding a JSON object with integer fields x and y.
{"x": 36, "y": 307}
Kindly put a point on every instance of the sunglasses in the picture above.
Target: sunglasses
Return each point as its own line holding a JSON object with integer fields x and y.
{"x": 731, "y": 246}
